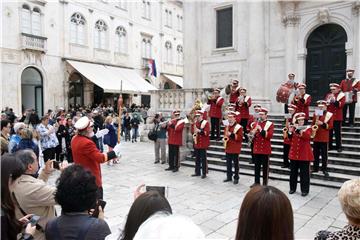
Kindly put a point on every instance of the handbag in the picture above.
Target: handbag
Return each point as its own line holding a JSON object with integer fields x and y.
{"x": 152, "y": 135}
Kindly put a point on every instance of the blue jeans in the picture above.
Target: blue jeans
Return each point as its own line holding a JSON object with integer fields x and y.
{"x": 135, "y": 132}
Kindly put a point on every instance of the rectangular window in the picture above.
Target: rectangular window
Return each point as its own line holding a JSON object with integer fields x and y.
{"x": 26, "y": 21}
{"x": 224, "y": 28}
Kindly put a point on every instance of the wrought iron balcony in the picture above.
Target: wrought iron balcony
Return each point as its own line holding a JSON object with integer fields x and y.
{"x": 33, "y": 42}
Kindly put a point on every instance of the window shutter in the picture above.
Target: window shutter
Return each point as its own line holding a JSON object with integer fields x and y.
{"x": 36, "y": 23}
{"x": 25, "y": 21}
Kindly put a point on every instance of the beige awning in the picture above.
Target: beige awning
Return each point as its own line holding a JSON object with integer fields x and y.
{"x": 112, "y": 79}
{"x": 176, "y": 79}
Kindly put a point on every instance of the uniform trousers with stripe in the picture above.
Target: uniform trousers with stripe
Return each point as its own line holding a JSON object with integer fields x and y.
{"x": 261, "y": 160}
{"x": 320, "y": 149}
{"x": 351, "y": 107}
{"x": 303, "y": 166}
{"x": 173, "y": 156}
{"x": 200, "y": 161}
{"x": 232, "y": 158}
{"x": 337, "y": 130}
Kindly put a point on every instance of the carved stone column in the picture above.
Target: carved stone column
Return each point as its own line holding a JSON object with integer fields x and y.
{"x": 291, "y": 22}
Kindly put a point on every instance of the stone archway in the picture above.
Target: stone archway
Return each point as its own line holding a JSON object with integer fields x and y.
{"x": 32, "y": 90}
{"x": 326, "y": 59}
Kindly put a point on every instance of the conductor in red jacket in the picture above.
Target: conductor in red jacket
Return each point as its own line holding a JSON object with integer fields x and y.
{"x": 215, "y": 102}
{"x": 300, "y": 154}
{"x": 86, "y": 154}
{"x": 200, "y": 130}
{"x": 233, "y": 135}
{"x": 175, "y": 130}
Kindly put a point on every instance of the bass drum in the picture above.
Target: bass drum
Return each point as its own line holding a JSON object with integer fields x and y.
{"x": 283, "y": 94}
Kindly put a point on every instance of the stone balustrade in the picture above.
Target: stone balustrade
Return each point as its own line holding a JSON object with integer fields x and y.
{"x": 33, "y": 42}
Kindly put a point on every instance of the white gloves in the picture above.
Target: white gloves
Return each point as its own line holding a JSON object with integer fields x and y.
{"x": 117, "y": 149}
{"x": 102, "y": 133}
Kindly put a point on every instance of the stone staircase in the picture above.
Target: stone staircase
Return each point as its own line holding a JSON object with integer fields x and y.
{"x": 341, "y": 166}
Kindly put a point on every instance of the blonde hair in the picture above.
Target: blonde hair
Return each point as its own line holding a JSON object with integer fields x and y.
{"x": 108, "y": 119}
{"x": 349, "y": 197}
{"x": 26, "y": 133}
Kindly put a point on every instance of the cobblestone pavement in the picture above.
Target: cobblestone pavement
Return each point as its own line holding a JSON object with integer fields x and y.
{"x": 210, "y": 203}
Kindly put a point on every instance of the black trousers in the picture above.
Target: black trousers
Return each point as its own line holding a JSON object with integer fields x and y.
{"x": 215, "y": 127}
{"x": 100, "y": 193}
{"x": 252, "y": 160}
{"x": 200, "y": 161}
{"x": 261, "y": 160}
{"x": 320, "y": 148}
{"x": 49, "y": 154}
{"x": 173, "y": 156}
{"x": 232, "y": 158}
{"x": 303, "y": 166}
{"x": 59, "y": 156}
{"x": 286, "y": 110}
{"x": 351, "y": 107}
{"x": 243, "y": 123}
{"x": 286, "y": 150}
{"x": 337, "y": 130}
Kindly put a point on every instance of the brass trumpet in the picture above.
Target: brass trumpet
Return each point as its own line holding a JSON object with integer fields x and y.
{"x": 314, "y": 127}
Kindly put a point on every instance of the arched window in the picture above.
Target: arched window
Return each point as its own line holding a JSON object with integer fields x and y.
{"x": 168, "y": 50}
{"x": 180, "y": 55}
{"x": 77, "y": 28}
{"x": 26, "y": 19}
{"x": 121, "y": 40}
{"x": 36, "y": 22}
{"x": 146, "y": 9}
{"x": 100, "y": 34}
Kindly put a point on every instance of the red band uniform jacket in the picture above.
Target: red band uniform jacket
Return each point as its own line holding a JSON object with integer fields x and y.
{"x": 233, "y": 146}
{"x": 216, "y": 107}
{"x": 303, "y": 104}
{"x": 322, "y": 134}
{"x": 203, "y": 139}
{"x": 234, "y": 94}
{"x": 336, "y": 107}
{"x": 350, "y": 85}
{"x": 175, "y": 132}
{"x": 244, "y": 107}
{"x": 87, "y": 155}
{"x": 300, "y": 148}
{"x": 262, "y": 140}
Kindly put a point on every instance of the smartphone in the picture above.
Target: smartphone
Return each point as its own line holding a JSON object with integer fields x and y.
{"x": 56, "y": 165}
{"x": 34, "y": 220}
{"x": 101, "y": 203}
{"x": 160, "y": 189}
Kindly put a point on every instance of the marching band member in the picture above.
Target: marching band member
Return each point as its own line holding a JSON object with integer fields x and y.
{"x": 200, "y": 130}
{"x": 216, "y": 103}
{"x": 321, "y": 136}
{"x": 290, "y": 83}
{"x": 175, "y": 128}
{"x": 253, "y": 118}
{"x": 300, "y": 154}
{"x": 302, "y": 101}
{"x": 286, "y": 144}
{"x": 242, "y": 105}
{"x": 234, "y": 91}
{"x": 350, "y": 86}
{"x": 232, "y": 108}
{"x": 263, "y": 132}
{"x": 233, "y": 135}
{"x": 335, "y": 101}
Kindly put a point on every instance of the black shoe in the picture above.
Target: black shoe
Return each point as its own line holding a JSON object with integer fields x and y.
{"x": 169, "y": 169}
{"x": 132, "y": 141}
{"x": 236, "y": 181}
{"x": 195, "y": 175}
{"x": 156, "y": 162}
{"x": 326, "y": 174}
{"x": 203, "y": 176}
{"x": 227, "y": 180}
{"x": 175, "y": 170}
{"x": 163, "y": 162}
{"x": 254, "y": 184}
{"x": 292, "y": 191}
{"x": 339, "y": 150}
{"x": 304, "y": 194}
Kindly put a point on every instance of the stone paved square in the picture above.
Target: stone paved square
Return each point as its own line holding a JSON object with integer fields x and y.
{"x": 210, "y": 203}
